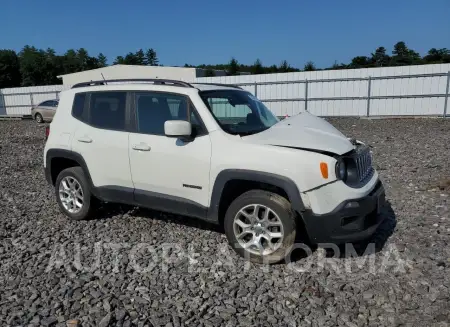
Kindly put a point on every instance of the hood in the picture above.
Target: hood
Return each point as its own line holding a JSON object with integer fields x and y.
{"x": 304, "y": 131}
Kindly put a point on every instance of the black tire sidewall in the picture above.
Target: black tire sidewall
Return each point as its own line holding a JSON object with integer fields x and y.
{"x": 276, "y": 203}
{"x": 78, "y": 174}
{"x": 36, "y": 118}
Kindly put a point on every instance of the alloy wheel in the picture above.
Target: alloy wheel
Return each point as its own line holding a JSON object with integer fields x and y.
{"x": 258, "y": 229}
{"x": 71, "y": 194}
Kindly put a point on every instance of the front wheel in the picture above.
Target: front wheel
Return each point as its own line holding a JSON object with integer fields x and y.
{"x": 260, "y": 226}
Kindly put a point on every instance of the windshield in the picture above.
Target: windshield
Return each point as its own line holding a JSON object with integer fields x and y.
{"x": 238, "y": 112}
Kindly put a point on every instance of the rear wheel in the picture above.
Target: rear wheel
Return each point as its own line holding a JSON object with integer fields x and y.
{"x": 73, "y": 194}
{"x": 39, "y": 118}
{"x": 260, "y": 226}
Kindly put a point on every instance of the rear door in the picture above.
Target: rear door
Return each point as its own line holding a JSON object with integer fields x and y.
{"x": 172, "y": 171}
{"x": 101, "y": 137}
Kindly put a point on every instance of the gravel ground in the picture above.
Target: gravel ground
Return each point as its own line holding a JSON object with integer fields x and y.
{"x": 134, "y": 267}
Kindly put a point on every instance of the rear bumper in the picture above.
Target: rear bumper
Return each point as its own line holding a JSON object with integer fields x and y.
{"x": 352, "y": 220}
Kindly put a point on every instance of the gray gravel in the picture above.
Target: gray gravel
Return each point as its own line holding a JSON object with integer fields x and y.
{"x": 134, "y": 267}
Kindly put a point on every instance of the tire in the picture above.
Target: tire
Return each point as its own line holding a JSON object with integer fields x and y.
{"x": 280, "y": 212}
{"x": 38, "y": 118}
{"x": 89, "y": 202}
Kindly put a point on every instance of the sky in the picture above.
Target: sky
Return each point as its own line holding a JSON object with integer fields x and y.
{"x": 212, "y": 31}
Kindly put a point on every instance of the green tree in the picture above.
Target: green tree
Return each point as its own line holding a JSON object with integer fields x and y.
{"x": 360, "y": 62}
{"x": 119, "y": 60}
{"x": 140, "y": 57}
{"x": 380, "y": 58}
{"x": 209, "y": 72}
{"x": 71, "y": 63}
{"x": 233, "y": 67}
{"x": 309, "y": 67}
{"x": 9, "y": 69}
{"x": 152, "y": 58}
{"x": 131, "y": 59}
{"x": 83, "y": 58}
{"x": 257, "y": 68}
{"x": 53, "y": 67}
{"x": 272, "y": 69}
{"x": 402, "y": 55}
{"x": 284, "y": 67}
{"x": 33, "y": 66}
{"x": 436, "y": 56}
{"x": 102, "y": 60}
{"x": 337, "y": 66}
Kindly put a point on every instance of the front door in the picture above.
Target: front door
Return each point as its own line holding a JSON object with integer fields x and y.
{"x": 168, "y": 173}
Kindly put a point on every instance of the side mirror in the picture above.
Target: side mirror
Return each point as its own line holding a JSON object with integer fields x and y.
{"x": 178, "y": 128}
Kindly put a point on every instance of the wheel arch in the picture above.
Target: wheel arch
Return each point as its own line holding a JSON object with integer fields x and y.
{"x": 59, "y": 159}
{"x": 282, "y": 184}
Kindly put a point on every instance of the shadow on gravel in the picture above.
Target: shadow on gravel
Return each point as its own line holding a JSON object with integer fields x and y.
{"x": 111, "y": 210}
{"x": 379, "y": 238}
{"x": 362, "y": 248}
{"x": 177, "y": 219}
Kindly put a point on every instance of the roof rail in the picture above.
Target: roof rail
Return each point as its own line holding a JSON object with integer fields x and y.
{"x": 158, "y": 81}
{"x": 219, "y": 84}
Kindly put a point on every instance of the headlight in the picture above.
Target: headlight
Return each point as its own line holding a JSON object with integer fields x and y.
{"x": 341, "y": 170}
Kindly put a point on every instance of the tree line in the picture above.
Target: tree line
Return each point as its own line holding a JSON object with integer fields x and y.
{"x": 401, "y": 56}
{"x": 32, "y": 66}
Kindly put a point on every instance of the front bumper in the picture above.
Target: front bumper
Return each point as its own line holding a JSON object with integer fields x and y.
{"x": 352, "y": 220}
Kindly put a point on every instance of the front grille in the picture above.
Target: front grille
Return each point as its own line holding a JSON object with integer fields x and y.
{"x": 363, "y": 162}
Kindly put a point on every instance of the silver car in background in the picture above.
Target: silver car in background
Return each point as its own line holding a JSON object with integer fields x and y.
{"x": 44, "y": 111}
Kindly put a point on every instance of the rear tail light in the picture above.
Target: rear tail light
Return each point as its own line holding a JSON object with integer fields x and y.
{"x": 47, "y": 132}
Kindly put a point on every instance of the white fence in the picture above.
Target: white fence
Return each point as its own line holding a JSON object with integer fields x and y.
{"x": 400, "y": 91}
{"x": 19, "y": 100}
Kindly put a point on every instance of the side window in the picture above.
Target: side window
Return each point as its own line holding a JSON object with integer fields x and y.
{"x": 154, "y": 109}
{"x": 78, "y": 109}
{"x": 197, "y": 124}
{"x": 107, "y": 110}
{"x": 54, "y": 104}
{"x": 45, "y": 104}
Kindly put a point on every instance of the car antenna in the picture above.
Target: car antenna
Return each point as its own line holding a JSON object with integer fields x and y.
{"x": 104, "y": 78}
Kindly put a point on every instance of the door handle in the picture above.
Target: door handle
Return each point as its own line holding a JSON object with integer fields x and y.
{"x": 85, "y": 139}
{"x": 141, "y": 147}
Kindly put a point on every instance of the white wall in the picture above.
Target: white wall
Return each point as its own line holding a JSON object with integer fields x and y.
{"x": 413, "y": 86}
{"x": 17, "y": 100}
{"x": 21, "y": 104}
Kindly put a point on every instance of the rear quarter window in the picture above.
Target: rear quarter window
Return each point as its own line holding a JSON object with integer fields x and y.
{"x": 78, "y": 109}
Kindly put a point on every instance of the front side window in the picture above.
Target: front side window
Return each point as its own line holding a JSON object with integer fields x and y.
{"x": 107, "y": 110}
{"x": 153, "y": 109}
{"x": 238, "y": 112}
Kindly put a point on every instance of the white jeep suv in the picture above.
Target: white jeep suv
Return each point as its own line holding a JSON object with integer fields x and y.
{"x": 214, "y": 152}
